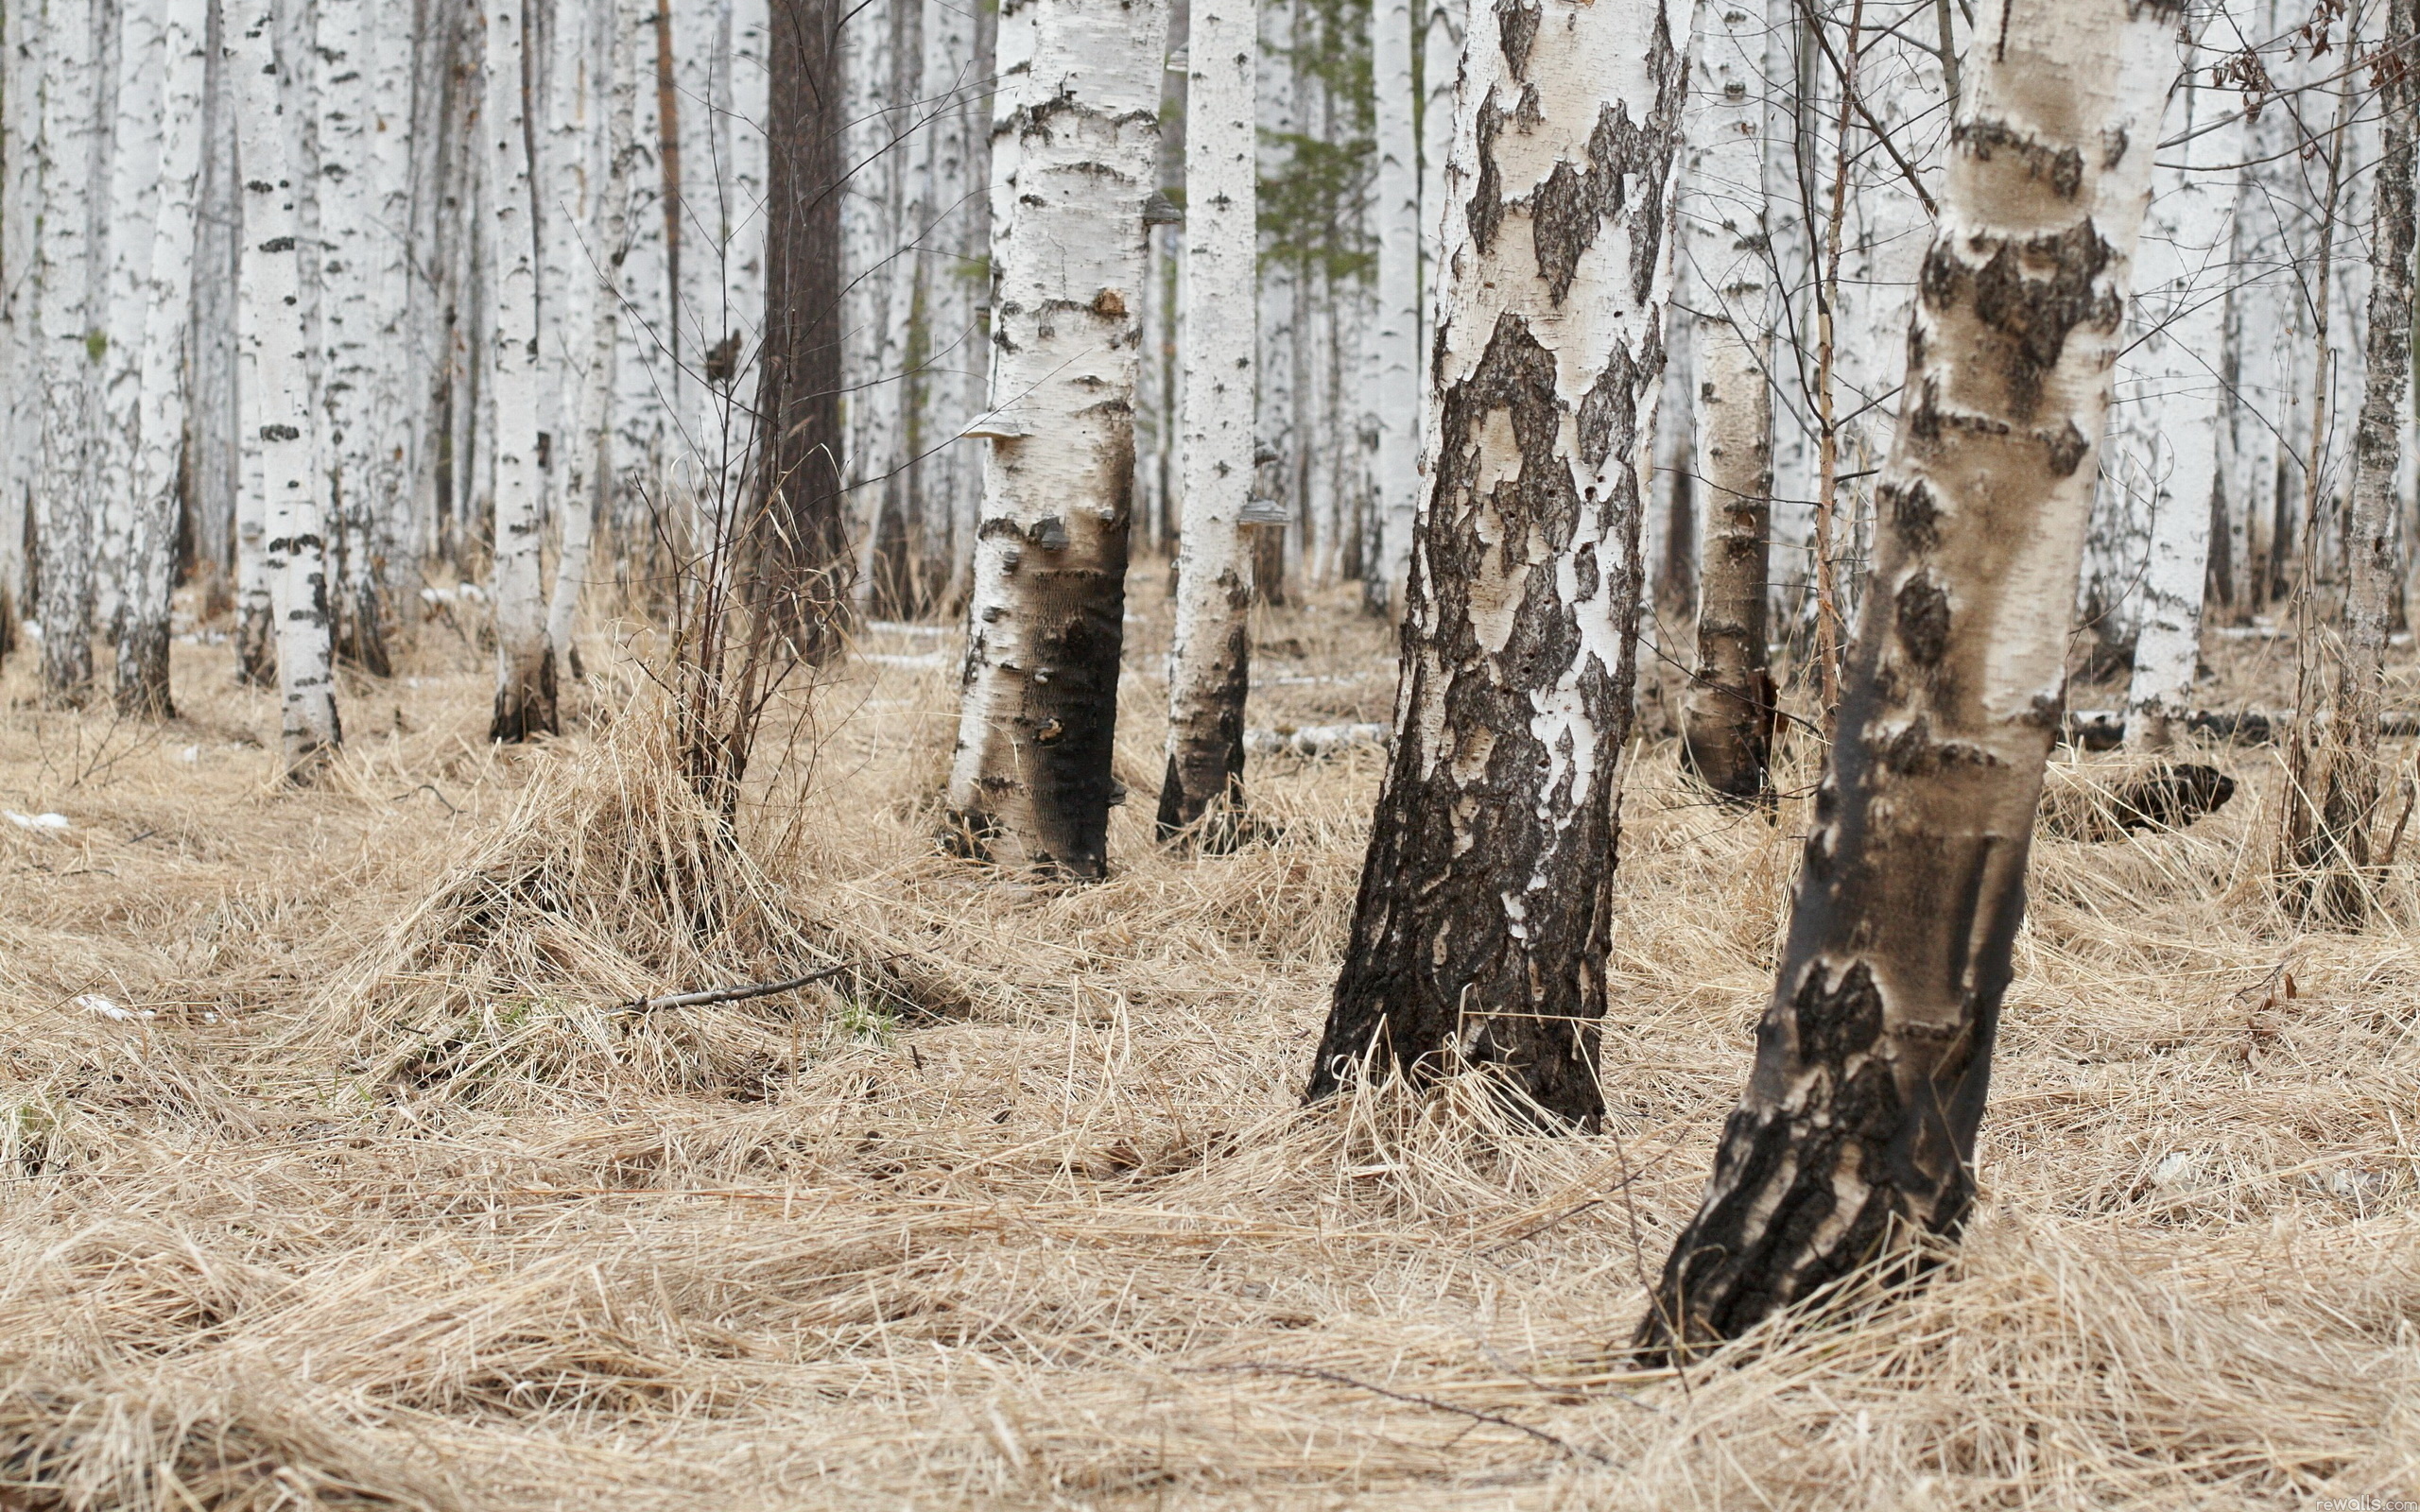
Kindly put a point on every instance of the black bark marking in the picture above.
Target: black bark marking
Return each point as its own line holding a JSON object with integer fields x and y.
{"x": 1568, "y": 211}
{"x": 1922, "y": 615}
{"x": 1911, "y": 509}
{"x": 1486, "y": 211}
{"x": 2061, "y": 170}
{"x": 2028, "y": 296}
{"x": 1516, "y": 32}
{"x": 1837, "y": 1020}
{"x": 1438, "y": 968}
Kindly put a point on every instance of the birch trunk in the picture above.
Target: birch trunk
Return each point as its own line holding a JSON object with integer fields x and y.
{"x": 1727, "y": 717}
{"x": 160, "y": 429}
{"x": 1395, "y": 481}
{"x": 2172, "y": 455}
{"x": 1857, "y": 1131}
{"x": 217, "y": 418}
{"x": 1030, "y": 782}
{"x": 1441, "y": 43}
{"x": 608, "y": 62}
{"x": 20, "y": 372}
{"x": 293, "y": 555}
{"x": 1209, "y": 666}
{"x": 68, "y": 269}
{"x": 524, "y": 658}
{"x": 1479, "y": 932}
{"x": 2334, "y": 805}
{"x": 352, "y": 337}
{"x": 127, "y": 189}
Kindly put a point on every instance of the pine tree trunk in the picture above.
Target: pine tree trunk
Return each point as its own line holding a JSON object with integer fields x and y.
{"x": 1031, "y": 784}
{"x": 1395, "y": 395}
{"x": 1727, "y": 718}
{"x": 524, "y": 658}
{"x": 160, "y": 429}
{"x": 1209, "y": 669}
{"x": 293, "y": 477}
{"x": 2173, "y": 451}
{"x": 1856, "y": 1131}
{"x": 2341, "y": 783}
{"x": 798, "y": 489}
{"x": 64, "y": 526}
{"x": 1480, "y": 929}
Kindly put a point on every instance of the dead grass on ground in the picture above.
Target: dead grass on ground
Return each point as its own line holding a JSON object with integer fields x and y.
{"x": 333, "y": 1172}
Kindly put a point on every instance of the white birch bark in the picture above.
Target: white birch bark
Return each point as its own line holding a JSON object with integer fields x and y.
{"x": 352, "y": 334}
{"x": 950, "y": 483}
{"x": 130, "y": 190}
{"x": 1440, "y": 43}
{"x": 1209, "y": 662}
{"x": 607, "y": 62}
{"x": 1727, "y": 281}
{"x": 69, "y": 272}
{"x": 2164, "y": 446}
{"x": 161, "y": 430}
{"x": 216, "y": 418}
{"x": 1032, "y": 777}
{"x": 642, "y": 389}
{"x": 293, "y": 480}
{"x": 21, "y": 379}
{"x": 524, "y": 693}
{"x": 1394, "y": 483}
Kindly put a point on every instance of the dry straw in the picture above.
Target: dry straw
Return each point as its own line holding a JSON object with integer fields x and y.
{"x": 386, "y": 1205}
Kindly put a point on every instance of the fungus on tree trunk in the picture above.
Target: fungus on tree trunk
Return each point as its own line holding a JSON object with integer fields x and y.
{"x": 1856, "y": 1129}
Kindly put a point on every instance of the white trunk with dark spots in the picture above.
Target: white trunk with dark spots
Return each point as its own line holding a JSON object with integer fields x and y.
{"x": 2166, "y": 419}
{"x": 63, "y": 484}
{"x": 1209, "y": 666}
{"x": 524, "y": 658}
{"x": 1030, "y": 782}
{"x": 1480, "y": 929}
{"x": 1395, "y": 482}
{"x": 287, "y": 433}
{"x": 1856, "y": 1131}
{"x": 1728, "y": 283}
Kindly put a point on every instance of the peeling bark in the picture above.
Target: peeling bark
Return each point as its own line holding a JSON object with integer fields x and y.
{"x": 1856, "y": 1129}
{"x": 1030, "y": 785}
{"x": 1479, "y": 933}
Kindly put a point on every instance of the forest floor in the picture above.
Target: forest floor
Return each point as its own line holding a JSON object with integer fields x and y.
{"x": 333, "y": 1173}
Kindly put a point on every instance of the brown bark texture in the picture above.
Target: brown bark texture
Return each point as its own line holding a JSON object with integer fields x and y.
{"x": 801, "y": 536}
{"x": 1856, "y": 1129}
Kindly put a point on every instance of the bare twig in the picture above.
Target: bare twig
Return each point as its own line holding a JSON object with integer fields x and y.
{"x": 1338, "y": 1378}
{"x": 741, "y": 993}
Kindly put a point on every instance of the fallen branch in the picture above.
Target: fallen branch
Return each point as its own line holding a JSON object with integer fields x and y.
{"x": 741, "y": 994}
{"x": 2105, "y": 729}
{"x": 1338, "y": 1378}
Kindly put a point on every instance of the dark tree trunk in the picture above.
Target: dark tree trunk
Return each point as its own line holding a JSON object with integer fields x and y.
{"x": 1857, "y": 1126}
{"x": 801, "y": 537}
{"x": 1479, "y": 934}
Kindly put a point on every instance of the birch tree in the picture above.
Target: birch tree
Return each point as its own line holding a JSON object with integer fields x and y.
{"x": 277, "y": 369}
{"x": 2332, "y": 769}
{"x": 1857, "y": 1131}
{"x": 1030, "y": 783}
{"x": 1479, "y": 932}
{"x": 69, "y": 142}
{"x": 161, "y": 422}
{"x": 2172, "y": 456}
{"x": 1727, "y": 717}
{"x": 1395, "y": 482}
{"x": 1209, "y": 666}
{"x": 524, "y": 658}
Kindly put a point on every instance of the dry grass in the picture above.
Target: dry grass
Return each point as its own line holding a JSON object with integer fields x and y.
{"x": 381, "y": 1202}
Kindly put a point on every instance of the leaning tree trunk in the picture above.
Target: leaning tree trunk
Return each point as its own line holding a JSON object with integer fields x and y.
{"x": 1479, "y": 934}
{"x": 65, "y": 516}
{"x": 797, "y": 499}
{"x": 524, "y": 658}
{"x": 2336, "y": 798}
{"x": 1209, "y": 667}
{"x": 2190, "y": 230}
{"x": 293, "y": 481}
{"x": 1727, "y": 718}
{"x": 1031, "y": 784}
{"x": 160, "y": 429}
{"x": 1394, "y": 488}
{"x": 1857, "y": 1131}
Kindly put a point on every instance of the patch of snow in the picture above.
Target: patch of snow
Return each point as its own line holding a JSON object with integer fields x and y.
{"x": 35, "y": 821}
{"x": 94, "y": 1002}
